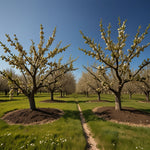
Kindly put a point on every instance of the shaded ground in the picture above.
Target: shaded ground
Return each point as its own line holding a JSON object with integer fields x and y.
{"x": 1, "y": 101}
{"x": 55, "y": 101}
{"x": 63, "y": 101}
{"x": 129, "y": 116}
{"x": 93, "y": 101}
{"x": 28, "y": 116}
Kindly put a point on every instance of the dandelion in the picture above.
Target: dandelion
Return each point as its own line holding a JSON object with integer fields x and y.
{"x": 22, "y": 147}
{"x": 8, "y": 134}
{"x": 140, "y": 147}
{"x": 32, "y": 144}
{"x": 40, "y": 142}
{"x": 65, "y": 140}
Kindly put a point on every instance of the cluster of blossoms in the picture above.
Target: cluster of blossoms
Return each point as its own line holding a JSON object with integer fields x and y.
{"x": 35, "y": 65}
{"x": 115, "y": 59}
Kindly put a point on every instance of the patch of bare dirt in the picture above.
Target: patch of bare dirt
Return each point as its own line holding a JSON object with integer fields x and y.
{"x": 30, "y": 117}
{"x": 128, "y": 116}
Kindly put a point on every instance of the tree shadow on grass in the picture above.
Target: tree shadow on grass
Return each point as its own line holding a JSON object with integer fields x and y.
{"x": 63, "y": 101}
{"x": 73, "y": 114}
{"x": 75, "y": 102}
{"x": 145, "y": 110}
{"x": 138, "y": 98}
{"x": 90, "y": 116}
{"x": 2, "y": 101}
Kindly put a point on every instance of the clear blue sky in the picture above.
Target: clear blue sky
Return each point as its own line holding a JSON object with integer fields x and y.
{"x": 23, "y": 17}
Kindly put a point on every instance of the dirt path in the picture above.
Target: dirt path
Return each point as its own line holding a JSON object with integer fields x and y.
{"x": 91, "y": 144}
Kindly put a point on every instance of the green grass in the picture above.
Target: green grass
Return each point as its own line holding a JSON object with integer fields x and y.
{"x": 112, "y": 136}
{"x": 66, "y": 133}
{"x": 62, "y": 134}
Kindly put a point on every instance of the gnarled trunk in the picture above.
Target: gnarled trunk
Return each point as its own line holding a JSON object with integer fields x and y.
{"x": 118, "y": 101}
{"x": 32, "y": 101}
{"x": 52, "y": 95}
{"x": 99, "y": 95}
{"x": 147, "y": 95}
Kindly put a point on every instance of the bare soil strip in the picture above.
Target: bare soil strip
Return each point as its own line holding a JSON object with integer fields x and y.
{"x": 91, "y": 144}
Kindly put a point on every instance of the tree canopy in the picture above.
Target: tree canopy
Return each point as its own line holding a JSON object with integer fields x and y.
{"x": 114, "y": 60}
{"x": 35, "y": 65}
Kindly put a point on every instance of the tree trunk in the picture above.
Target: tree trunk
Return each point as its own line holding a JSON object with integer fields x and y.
{"x": 130, "y": 95}
{"x": 118, "y": 101}
{"x": 99, "y": 96}
{"x": 147, "y": 95}
{"x": 17, "y": 92}
{"x": 87, "y": 94}
{"x": 6, "y": 92}
{"x": 61, "y": 94}
{"x": 32, "y": 101}
{"x": 52, "y": 95}
{"x": 66, "y": 93}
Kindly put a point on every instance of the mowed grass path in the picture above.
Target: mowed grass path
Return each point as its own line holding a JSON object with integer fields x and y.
{"x": 66, "y": 133}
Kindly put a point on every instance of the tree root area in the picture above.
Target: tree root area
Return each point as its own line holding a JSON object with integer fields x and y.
{"x": 127, "y": 115}
{"x": 30, "y": 117}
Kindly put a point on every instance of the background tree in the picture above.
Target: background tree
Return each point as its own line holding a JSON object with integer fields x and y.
{"x": 116, "y": 59}
{"x": 4, "y": 85}
{"x": 70, "y": 83}
{"x": 93, "y": 83}
{"x": 144, "y": 82}
{"x": 52, "y": 83}
{"x": 82, "y": 85}
{"x": 67, "y": 84}
{"x": 34, "y": 65}
{"x": 130, "y": 88}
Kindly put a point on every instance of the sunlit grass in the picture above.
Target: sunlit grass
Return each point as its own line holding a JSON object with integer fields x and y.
{"x": 112, "y": 136}
{"x": 66, "y": 133}
{"x": 62, "y": 134}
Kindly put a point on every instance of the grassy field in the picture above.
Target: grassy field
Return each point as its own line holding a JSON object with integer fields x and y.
{"x": 112, "y": 136}
{"x": 66, "y": 133}
{"x": 63, "y": 134}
